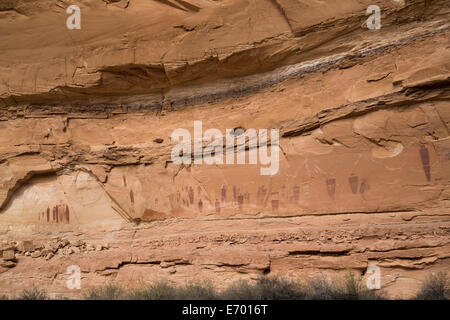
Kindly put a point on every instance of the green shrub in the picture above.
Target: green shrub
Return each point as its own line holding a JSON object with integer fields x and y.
{"x": 240, "y": 290}
{"x": 322, "y": 289}
{"x": 106, "y": 292}
{"x": 351, "y": 287}
{"x": 197, "y": 291}
{"x": 156, "y": 291}
{"x": 435, "y": 287}
{"x": 264, "y": 289}
{"x": 32, "y": 294}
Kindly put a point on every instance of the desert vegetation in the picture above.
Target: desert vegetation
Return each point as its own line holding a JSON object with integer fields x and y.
{"x": 350, "y": 287}
{"x": 435, "y": 287}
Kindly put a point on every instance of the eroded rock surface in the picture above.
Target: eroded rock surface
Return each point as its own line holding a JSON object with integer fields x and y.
{"x": 86, "y": 116}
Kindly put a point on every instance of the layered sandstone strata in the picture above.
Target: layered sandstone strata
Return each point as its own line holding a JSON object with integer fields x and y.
{"x": 86, "y": 116}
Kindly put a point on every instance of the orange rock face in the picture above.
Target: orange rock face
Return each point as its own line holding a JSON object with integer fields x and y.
{"x": 87, "y": 116}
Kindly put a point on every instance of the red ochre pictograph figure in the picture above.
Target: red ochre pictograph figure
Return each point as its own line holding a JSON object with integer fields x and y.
{"x": 425, "y": 157}
{"x": 331, "y": 187}
{"x": 60, "y": 214}
{"x": 354, "y": 182}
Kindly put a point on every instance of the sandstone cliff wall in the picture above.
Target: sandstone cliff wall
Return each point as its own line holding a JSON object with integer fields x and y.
{"x": 86, "y": 116}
